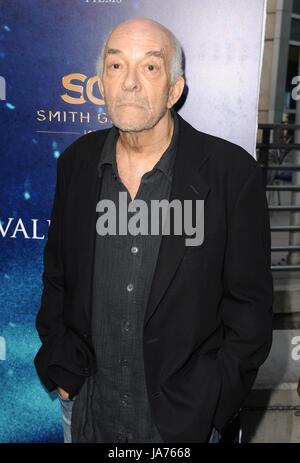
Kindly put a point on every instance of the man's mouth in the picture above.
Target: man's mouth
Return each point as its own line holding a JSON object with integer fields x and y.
{"x": 131, "y": 103}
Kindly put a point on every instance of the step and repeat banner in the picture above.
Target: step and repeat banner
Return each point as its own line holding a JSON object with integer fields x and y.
{"x": 49, "y": 96}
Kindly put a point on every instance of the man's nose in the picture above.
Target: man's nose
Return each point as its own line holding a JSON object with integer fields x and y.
{"x": 131, "y": 80}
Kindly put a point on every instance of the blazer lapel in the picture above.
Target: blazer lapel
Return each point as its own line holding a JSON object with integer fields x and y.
{"x": 188, "y": 184}
{"x": 90, "y": 182}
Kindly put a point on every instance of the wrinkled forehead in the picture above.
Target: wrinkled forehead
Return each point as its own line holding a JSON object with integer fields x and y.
{"x": 137, "y": 38}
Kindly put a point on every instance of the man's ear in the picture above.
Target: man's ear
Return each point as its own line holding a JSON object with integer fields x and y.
{"x": 175, "y": 92}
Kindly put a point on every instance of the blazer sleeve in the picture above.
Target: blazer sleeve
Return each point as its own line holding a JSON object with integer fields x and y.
{"x": 246, "y": 308}
{"x": 49, "y": 319}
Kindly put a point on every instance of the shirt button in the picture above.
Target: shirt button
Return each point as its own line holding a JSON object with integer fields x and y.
{"x": 124, "y": 400}
{"x": 126, "y": 326}
{"x": 130, "y": 287}
{"x": 134, "y": 250}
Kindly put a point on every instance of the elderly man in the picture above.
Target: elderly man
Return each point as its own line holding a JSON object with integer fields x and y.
{"x": 145, "y": 338}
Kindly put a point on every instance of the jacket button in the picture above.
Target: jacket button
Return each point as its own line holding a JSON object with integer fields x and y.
{"x": 85, "y": 334}
{"x": 86, "y": 371}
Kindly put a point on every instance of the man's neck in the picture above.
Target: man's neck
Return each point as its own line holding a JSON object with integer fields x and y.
{"x": 147, "y": 144}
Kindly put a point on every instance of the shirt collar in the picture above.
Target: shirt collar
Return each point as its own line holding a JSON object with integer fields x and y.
{"x": 164, "y": 164}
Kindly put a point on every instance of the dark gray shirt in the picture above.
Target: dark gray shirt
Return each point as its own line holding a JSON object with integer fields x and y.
{"x": 118, "y": 407}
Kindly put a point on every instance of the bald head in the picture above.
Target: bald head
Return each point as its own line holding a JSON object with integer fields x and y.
{"x": 145, "y": 28}
{"x": 142, "y": 25}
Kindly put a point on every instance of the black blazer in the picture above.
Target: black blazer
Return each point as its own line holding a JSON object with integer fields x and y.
{"x": 208, "y": 322}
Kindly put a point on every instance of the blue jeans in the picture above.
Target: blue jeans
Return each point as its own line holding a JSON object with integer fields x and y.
{"x": 66, "y": 415}
{"x": 66, "y": 412}
{"x": 214, "y": 437}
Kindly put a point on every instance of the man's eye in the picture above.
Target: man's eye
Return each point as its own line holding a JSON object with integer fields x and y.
{"x": 116, "y": 66}
{"x": 150, "y": 67}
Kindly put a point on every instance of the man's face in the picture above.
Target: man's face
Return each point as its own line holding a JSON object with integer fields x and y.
{"x": 135, "y": 81}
